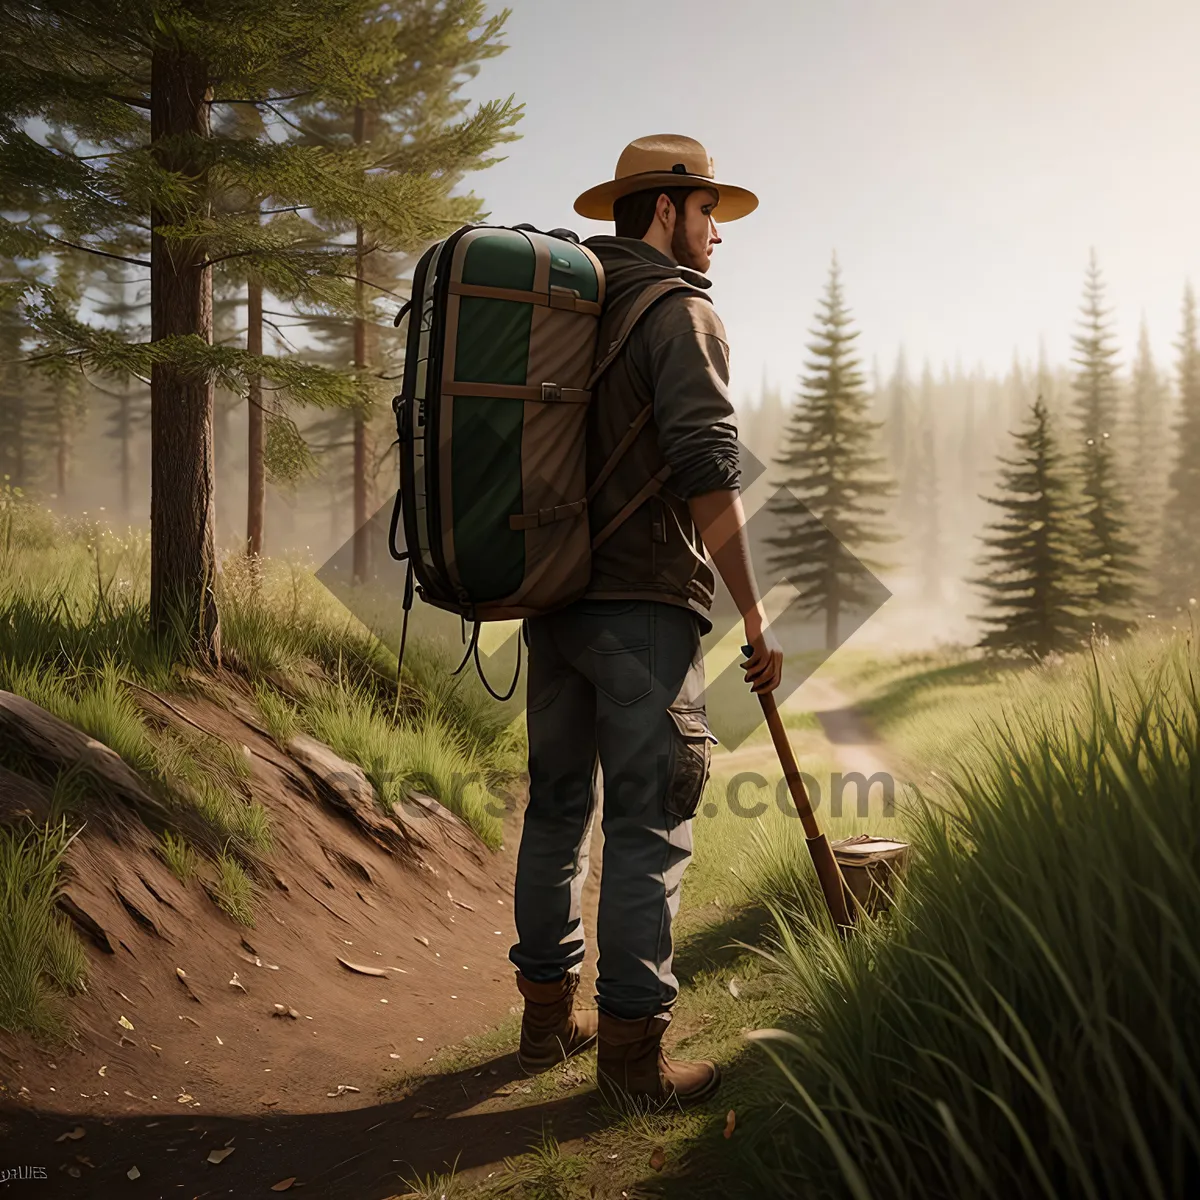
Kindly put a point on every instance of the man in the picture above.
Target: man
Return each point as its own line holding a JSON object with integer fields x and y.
{"x": 616, "y": 680}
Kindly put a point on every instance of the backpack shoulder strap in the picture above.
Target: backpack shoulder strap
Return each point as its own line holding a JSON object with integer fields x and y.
{"x": 647, "y": 298}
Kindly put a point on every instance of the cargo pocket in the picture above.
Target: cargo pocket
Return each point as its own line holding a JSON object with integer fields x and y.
{"x": 690, "y": 758}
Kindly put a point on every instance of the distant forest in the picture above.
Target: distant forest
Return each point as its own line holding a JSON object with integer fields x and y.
{"x": 961, "y": 526}
{"x": 80, "y": 442}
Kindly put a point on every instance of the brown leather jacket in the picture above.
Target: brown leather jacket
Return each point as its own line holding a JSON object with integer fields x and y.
{"x": 677, "y": 359}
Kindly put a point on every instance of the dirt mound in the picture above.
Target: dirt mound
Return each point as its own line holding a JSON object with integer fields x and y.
{"x": 377, "y": 939}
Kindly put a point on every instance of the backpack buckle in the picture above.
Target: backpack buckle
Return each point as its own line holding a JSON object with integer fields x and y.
{"x": 551, "y": 391}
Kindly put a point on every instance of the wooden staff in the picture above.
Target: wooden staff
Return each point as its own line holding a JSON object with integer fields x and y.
{"x": 828, "y": 873}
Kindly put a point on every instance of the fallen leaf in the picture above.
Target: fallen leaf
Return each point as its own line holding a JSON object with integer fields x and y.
{"x": 462, "y": 905}
{"x": 74, "y": 1134}
{"x": 181, "y": 972}
{"x": 361, "y": 970}
{"x": 102, "y": 1071}
{"x": 423, "y": 940}
{"x": 125, "y": 1023}
{"x": 734, "y": 990}
{"x": 87, "y": 1162}
{"x": 185, "y": 1099}
{"x": 730, "y": 1122}
{"x": 283, "y": 1184}
{"x": 658, "y": 1159}
{"x": 74, "y": 1172}
{"x": 236, "y": 982}
{"x": 125, "y": 1039}
{"x": 219, "y": 1156}
{"x": 219, "y": 1042}
{"x": 134, "y": 1173}
{"x": 342, "y": 1088}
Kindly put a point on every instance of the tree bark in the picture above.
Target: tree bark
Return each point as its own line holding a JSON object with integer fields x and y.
{"x": 361, "y": 565}
{"x": 182, "y": 550}
{"x": 62, "y": 448}
{"x": 256, "y": 443}
{"x": 125, "y": 433}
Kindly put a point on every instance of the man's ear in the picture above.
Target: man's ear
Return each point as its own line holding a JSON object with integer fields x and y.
{"x": 662, "y": 210}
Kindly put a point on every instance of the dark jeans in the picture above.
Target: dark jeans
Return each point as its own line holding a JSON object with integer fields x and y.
{"x": 616, "y": 685}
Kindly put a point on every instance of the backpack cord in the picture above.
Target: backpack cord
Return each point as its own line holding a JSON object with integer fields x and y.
{"x": 483, "y": 678}
{"x": 408, "y": 599}
{"x": 466, "y": 658}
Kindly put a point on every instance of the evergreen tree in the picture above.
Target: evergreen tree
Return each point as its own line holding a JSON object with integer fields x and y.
{"x": 1109, "y": 550}
{"x": 898, "y": 431}
{"x": 413, "y": 117}
{"x": 927, "y": 497}
{"x": 1146, "y": 440}
{"x": 16, "y": 432}
{"x": 831, "y": 473}
{"x": 1036, "y": 585}
{"x": 126, "y": 306}
{"x": 1179, "y": 573}
{"x": 127, "y": 96}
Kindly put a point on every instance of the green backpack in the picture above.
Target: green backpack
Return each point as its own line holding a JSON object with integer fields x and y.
{"x": 500, "y": 363}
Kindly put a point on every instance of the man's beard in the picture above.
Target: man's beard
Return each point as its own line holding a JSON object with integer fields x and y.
{"x": 681, "y": 253}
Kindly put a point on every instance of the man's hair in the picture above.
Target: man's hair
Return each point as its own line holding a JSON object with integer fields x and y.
{"x": 634, "y": 213}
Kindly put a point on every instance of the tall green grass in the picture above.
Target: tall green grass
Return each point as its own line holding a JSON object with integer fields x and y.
{"x": 74, "y": 633}
{"x": 40, "y": 956}
{"x": 1026, "y": 1026}
{"x": 423, "y": 754}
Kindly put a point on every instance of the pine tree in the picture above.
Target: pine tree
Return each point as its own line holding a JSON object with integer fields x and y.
{"x": 128, "y": 98}
{"x": 1036, "y": 585}
{"x": 1146, "y": 440}
{"x": 413, "y": 117}
{"x": 927, "y": 495}
{"x": 125, "y": 305}
{"x": 1180, "y": 570}
{"x": 898, "y": 432}
{"x": 831, "y": 473}
{"x": 1109, "y": 548}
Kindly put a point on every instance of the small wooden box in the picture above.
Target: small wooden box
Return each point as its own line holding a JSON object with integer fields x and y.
{"x": 870, "y": 866}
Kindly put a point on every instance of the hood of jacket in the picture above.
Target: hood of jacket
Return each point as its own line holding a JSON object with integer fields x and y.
{"x": 630, "y": 264}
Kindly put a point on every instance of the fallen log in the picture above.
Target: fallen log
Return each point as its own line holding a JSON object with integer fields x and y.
{"x": 56, "y": 746}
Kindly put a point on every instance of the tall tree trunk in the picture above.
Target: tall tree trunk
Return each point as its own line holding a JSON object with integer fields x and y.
{"x": 19, "y": 425}
{"x": 361, "y": 541}
{"x": 125, "y": 434}
{"x": 182, "y": 510}
{"x": 256, "y": 472}
{"x": 833, "y": 604}
{"x": 62, "y": 447}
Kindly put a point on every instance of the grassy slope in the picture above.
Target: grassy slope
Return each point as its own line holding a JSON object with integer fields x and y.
{"x": 74, "y": 638}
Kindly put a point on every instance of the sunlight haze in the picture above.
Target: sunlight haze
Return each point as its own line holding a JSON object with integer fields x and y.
{"x": 960, "y": 157}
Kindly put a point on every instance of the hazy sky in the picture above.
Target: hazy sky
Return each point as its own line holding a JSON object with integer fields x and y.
{"x": 961, "y": 156}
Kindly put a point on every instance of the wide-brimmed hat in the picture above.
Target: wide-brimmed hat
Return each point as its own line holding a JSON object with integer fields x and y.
{"x": 664, "y": 160}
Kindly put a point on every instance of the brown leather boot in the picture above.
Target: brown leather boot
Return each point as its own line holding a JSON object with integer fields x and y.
{"x": 631, "y": 1064}
{"x": 551, "y": 1029}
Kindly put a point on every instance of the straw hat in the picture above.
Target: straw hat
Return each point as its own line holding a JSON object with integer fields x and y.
{"x": 664, "y": 160}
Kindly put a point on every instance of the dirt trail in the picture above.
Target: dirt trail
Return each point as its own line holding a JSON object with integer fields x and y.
{"x": 472, "y": 1117}
{"x": 853, "y": 745}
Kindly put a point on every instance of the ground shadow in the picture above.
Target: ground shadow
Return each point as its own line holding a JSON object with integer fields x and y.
{"x": 362, "y": 1154}
{"x": 715, "y": 946}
